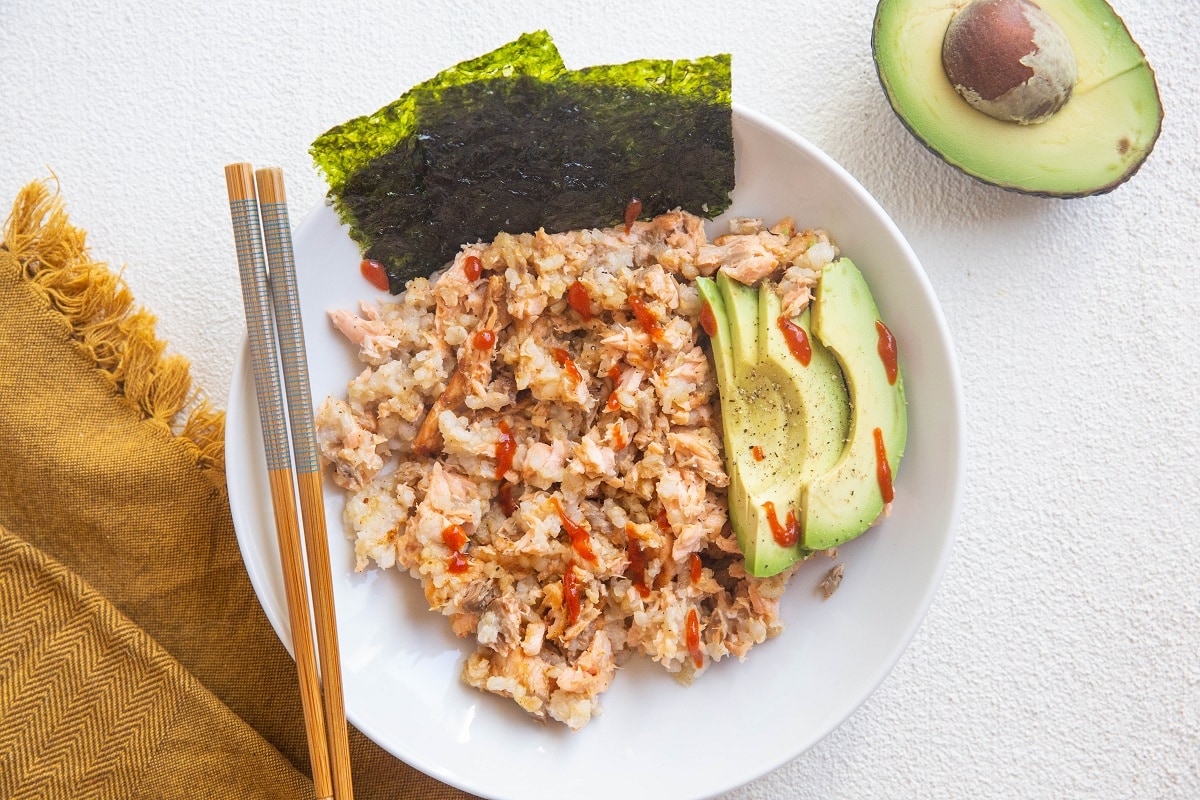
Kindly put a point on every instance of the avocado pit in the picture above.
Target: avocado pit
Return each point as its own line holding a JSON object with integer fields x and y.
{"x": 1009, "y": 59}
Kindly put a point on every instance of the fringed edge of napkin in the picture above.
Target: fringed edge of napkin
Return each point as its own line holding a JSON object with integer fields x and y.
{"x": 114, "y": 333}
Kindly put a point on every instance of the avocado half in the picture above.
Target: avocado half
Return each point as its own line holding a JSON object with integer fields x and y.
{"x": 1092, "y": 145}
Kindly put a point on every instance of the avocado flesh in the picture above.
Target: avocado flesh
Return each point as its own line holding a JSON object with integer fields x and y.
{"x": 847, "y": 499}
{"x": 798, "y": 416}
{"x": 1090, "y": 146}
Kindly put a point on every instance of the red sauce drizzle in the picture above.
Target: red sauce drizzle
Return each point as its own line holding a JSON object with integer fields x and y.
{"x": 472, "y": 267}
{"x": 887, "y": 350}
{"x": 797, "y": 340}
{"x": 883, "y": 470}
{"x": 646, "y": 317}
{"x": 579, "y": 535}
{"x": 577, "y": 298}
{"x": 632, "y": 211}
{"x": 637, "y": 561}
{"x": 787, "y": 534}
{"x": 483, "y": 339}
{"x": 758, "y": 453}
{"x": 664, "y": 524}
{"x": 507, "y": 504}
{"x": 455, "y": 538}
{"x": 618, "y": 437}
{"x": 707, "y": 321}
{"x": 375, "y": 274}
{"x": 567, "y": 363}
{"x": 693, "y": 638}
{"x": 504, "y": 450}
{"x": 614, "y": 375}
{"x": 695, "y": 568}
{"x": 571, "y": 595}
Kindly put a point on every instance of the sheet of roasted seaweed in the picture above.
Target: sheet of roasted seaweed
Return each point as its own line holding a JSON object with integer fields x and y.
{"x": 512, "y": 141}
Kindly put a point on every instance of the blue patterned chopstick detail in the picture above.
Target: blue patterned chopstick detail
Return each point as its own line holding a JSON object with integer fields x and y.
{"x": 263, "y": 358}
{"x": 286, "y": 299}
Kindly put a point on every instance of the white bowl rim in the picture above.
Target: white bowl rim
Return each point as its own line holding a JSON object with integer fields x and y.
{"x": 262, "y": 581}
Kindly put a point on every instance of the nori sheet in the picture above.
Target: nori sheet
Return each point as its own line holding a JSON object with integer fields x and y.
{"x": 346, "y": 148}
{"x": 532, "y": 146}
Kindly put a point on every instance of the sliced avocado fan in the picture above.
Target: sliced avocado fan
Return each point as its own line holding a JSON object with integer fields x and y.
{"x": 807, "y": 406}
{"x": 784, "y": 422}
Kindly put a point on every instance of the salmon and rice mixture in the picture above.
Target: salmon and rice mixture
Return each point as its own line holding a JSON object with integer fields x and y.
{"x": 536, "y": 438}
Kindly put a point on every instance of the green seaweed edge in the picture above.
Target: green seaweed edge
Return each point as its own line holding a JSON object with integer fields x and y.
{"x": 345, "y": 148}
{"x": 707, "y": 79}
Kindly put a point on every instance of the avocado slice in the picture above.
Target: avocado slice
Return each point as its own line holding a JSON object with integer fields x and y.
{"x": 785, "y": 423}
{"x": 1096, "y": 141}
{"x": 845, "y": 501}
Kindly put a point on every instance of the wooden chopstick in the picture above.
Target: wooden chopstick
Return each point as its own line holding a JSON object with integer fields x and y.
{"x": 272, "y": 204}
{"x": 264, "y": 361}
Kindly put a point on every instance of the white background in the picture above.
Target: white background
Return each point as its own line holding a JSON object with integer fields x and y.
{"x": 1061, "y": 657}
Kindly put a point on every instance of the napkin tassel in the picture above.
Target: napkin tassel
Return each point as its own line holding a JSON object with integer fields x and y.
{"x": 118, "y": 336}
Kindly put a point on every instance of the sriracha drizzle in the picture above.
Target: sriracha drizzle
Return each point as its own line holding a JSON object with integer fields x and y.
{"x": 614, "y": 375}
{"x": 887, "y": 351}
{"x": 505, "y": 448}
{"x": 454, "y": 537}
{"x": 883, "y": 470}
{"x": 787, "y": 534}
{"x": 645, "y": 317}
{"x": 632, "y": 211}
{"x": 707, "y": 320}
{"x": 577, "y": 298}
{"x": 472, "y": 267}
{"x": 571, "y": 595}
{"x": 797, "y": 340}
{"x": 568, "y": 364}
{"x": 693, "y": 638}
{"x": 579, "y": 535}
{"x": 375, "y": 274}
{"x": 637, "y": 561}
{"x": 618, "y": 436}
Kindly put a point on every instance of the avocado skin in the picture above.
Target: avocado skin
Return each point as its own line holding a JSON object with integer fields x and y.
{"x": 1009, "y": 184}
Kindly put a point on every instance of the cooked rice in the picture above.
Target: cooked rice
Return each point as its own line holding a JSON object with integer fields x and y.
{"x": 616, "y": 431}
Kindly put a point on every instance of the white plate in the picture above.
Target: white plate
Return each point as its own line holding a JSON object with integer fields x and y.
{"x": 655, "y": 738}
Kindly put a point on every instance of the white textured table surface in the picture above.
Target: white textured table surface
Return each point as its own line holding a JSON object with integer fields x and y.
{"x": 1061, "y": 657}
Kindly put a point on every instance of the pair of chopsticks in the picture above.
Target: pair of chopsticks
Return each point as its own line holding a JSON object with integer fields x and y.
{"x": 273, "y": 306}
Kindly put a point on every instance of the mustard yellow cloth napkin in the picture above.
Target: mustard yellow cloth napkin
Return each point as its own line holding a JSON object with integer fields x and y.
{"x": 135, "y": 660}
